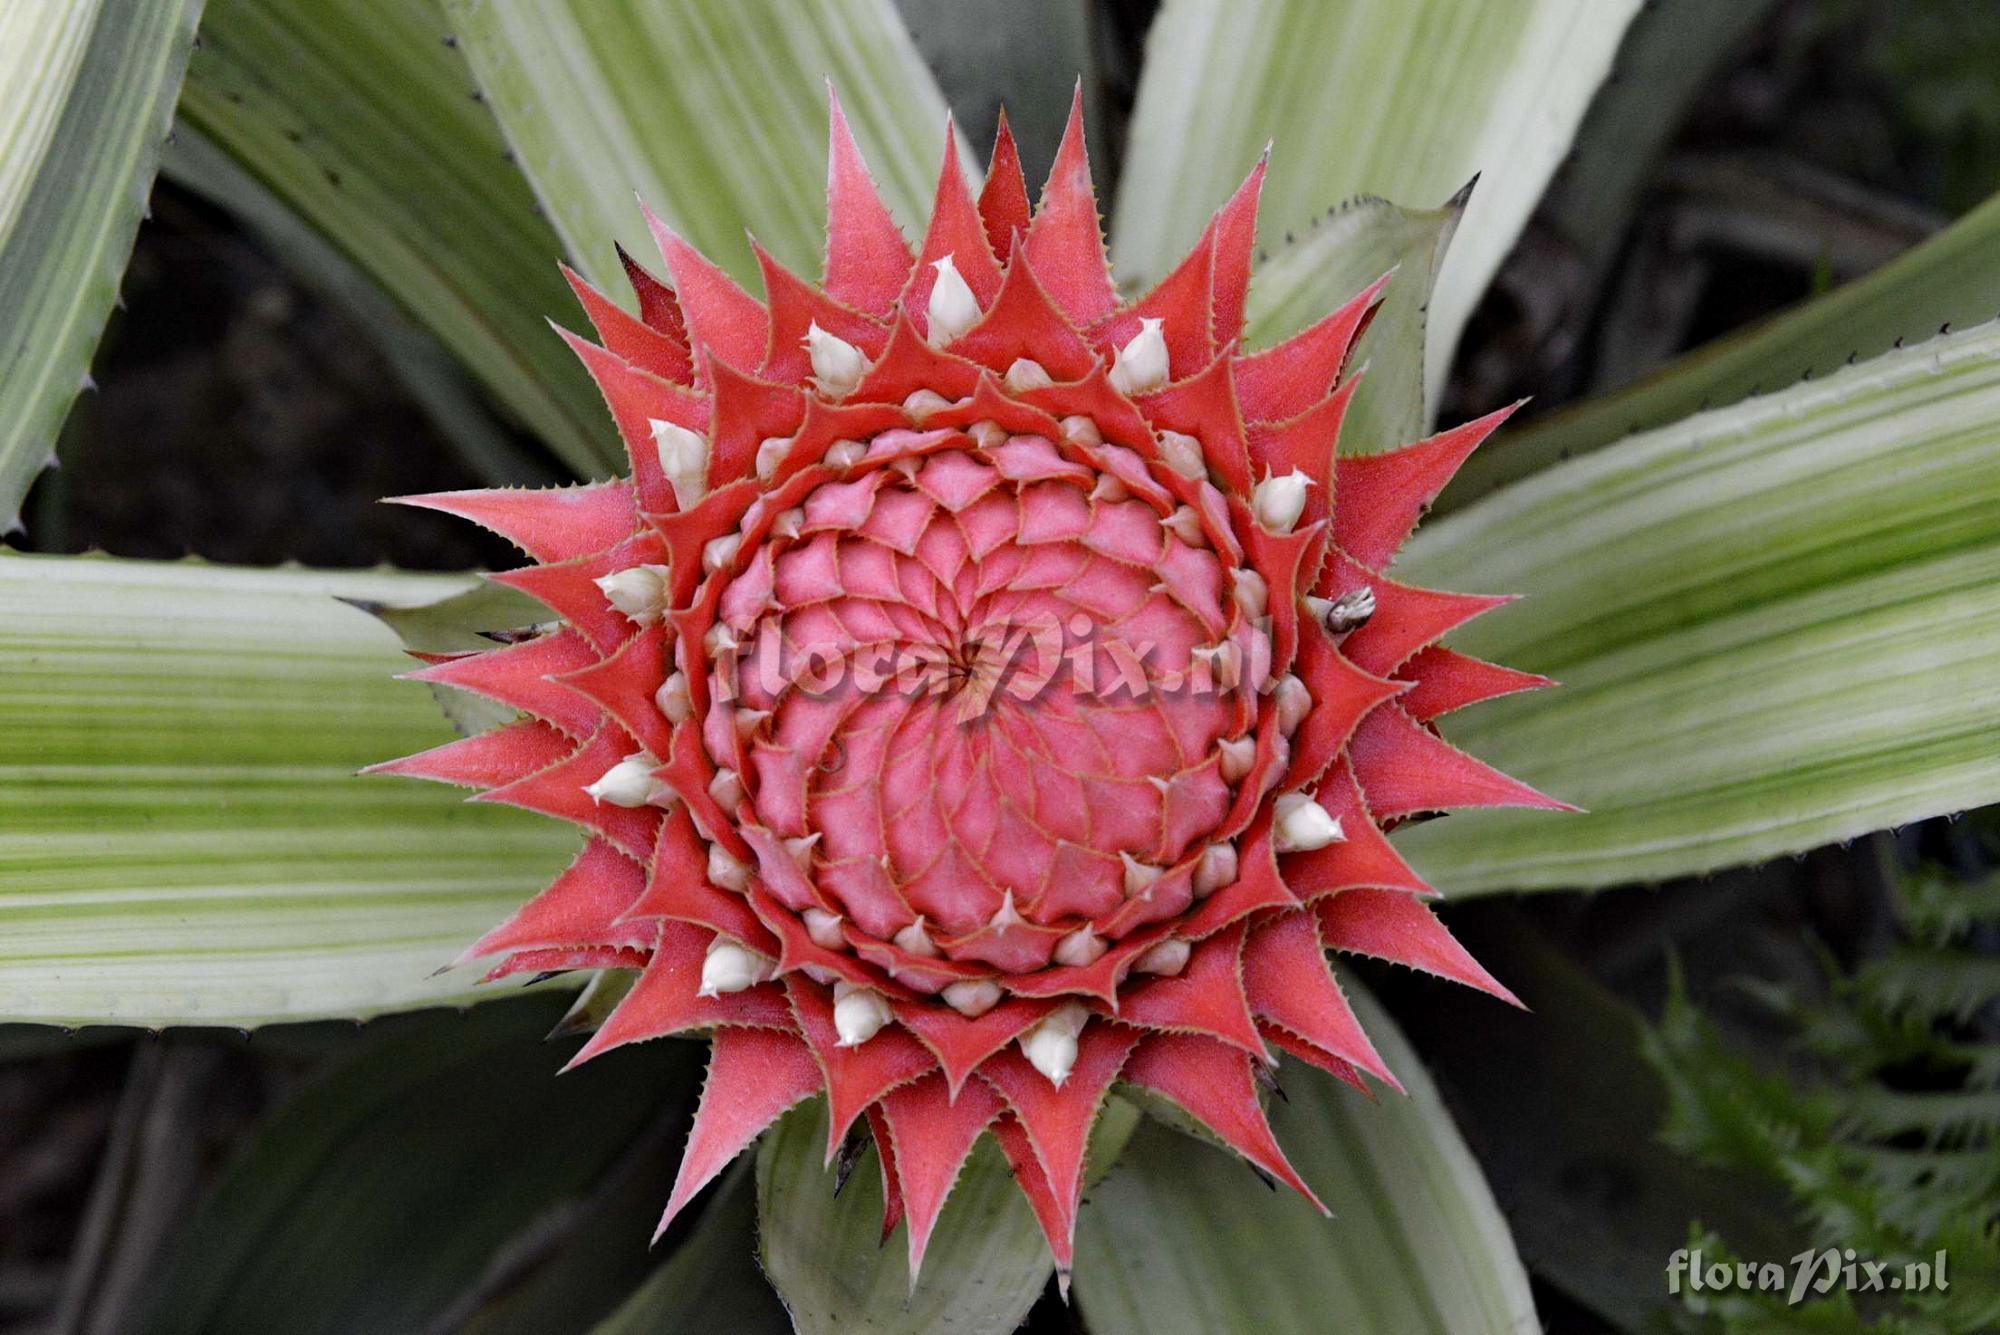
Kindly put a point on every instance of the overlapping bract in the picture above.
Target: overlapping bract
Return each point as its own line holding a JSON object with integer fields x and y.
{"x": 1021, "y": 897}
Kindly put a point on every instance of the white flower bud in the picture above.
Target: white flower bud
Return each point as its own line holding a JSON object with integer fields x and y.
{"x": 640, "y": 592}
{"x": 1167, "y": 958}
{"x": 1080, "y": 430}
{"x": 1050, "y": 1044}
{"x": 672, "y": 698}
{"x": 1185, "y": 524}
{"x": 726, "y": 870}
{"x": 1140, "y": 367}
{"x": 916, "y": 941}
{"x": 1079, "y": 948}
{"x": 771, "y": 452}
{"x": 1293, "y": 701}
{"x": 800, "y": 850}
{"x": 1253, "y": 595}
{"x": 683, "y": 458}
{"x": 1138, "y": 875}
{"x": 630, "y": 783}
{"x": 987, "y": 434}
{"x": 1217, "y": 868}
{"x": 1182, "y": 453}
{"x": 1277, "y": 502}
{"x": 972, "y": 998}
{"x": 727, "y": 789}
{"x": 845, "y": 453}
{"x": 1303, "y": 824}
{"x": 1025, "y": 373}
{"x": 952, "y": 309}
{"x": 824, "y": 929}
{"x": 729, "y": 967}
{"x": 719, "y": 552}
{"x": 923, "y": 402}
{"x": 837, "y": 364}
{"x": 858, "y": 1014}
{"x": 1238, "y": 754}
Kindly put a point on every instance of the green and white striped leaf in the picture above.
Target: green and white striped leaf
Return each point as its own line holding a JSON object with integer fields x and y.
{"x": 1407, "y": 99}
{"x": 90, "y": 91}
{"x": 713, "y": 114}
{"x": 986, "y": 1264}
{"x": 1182, "y": 1237}
{"x": 358, "y": 116}
{"x": 1778, "y": 625}
{"x": 1951, "y": 279}
{"x": 184, "y": 839}
{"x": 1338, "y": 256}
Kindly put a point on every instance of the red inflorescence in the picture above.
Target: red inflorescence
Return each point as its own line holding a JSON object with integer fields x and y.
{"x": 983, "y": 692}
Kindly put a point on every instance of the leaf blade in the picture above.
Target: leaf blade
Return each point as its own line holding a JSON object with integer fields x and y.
{"x": 185, "y": 840}
{"x": 606, "y": 105}
{"x": 92, "y": 87}
{"x": 1325, "y": 266}
{"x": 1407, "y": 101}
{"x": 1950, "y": 279}
{"x": 1776, "y": 623}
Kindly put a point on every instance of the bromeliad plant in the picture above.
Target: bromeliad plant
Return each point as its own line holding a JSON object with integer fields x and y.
{"x": 984, "y": 691}
{"x": 980, "y": 676}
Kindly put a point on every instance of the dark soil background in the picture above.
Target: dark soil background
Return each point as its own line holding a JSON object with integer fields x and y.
{"x": 241, "y": 418}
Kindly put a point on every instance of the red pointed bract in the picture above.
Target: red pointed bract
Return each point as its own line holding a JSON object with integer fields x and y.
{"x": 1204, "y": 998}
{"x": 722, "y": 319}
{"x": 1447, "y": 680}
{"x": 1405, "y": 768}
{"x": 1056, "y": 1120}
{"x": 559, "y": 791}
{"x": 630, "y": 337}
{"x": 961, "y": 1044}
{"x": 1065, "y": 243}
{"x": 885, "y": 1155}
{"x": 1363, "y": 858}
{"x": 1284, "y": 380}
{"x": 489, "y": 760}
{"x": 1024, "y": 322}
{"x": 1056, "y": 1217}
{"x": 636, "y": 401}
{"x": 867, "y": 259}
{"x": 1383, "y": 495}
{"x": 552, "y": 524}
{"x": 754, "y": 1075}
{"x": 934, "y": 1133}
{"x": 657, "y": 307}
{"x": 518, "y": 675}
{"x": 1391, "y": 925}
{"x": 1235, "y": 231}
{"x": 666, "y": 999}
{"x": 1211, "y": 1082}
{"x": 1285, "y": 972}
{"x": 583, "y": 904}
{"x": 1003, "y": 201}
